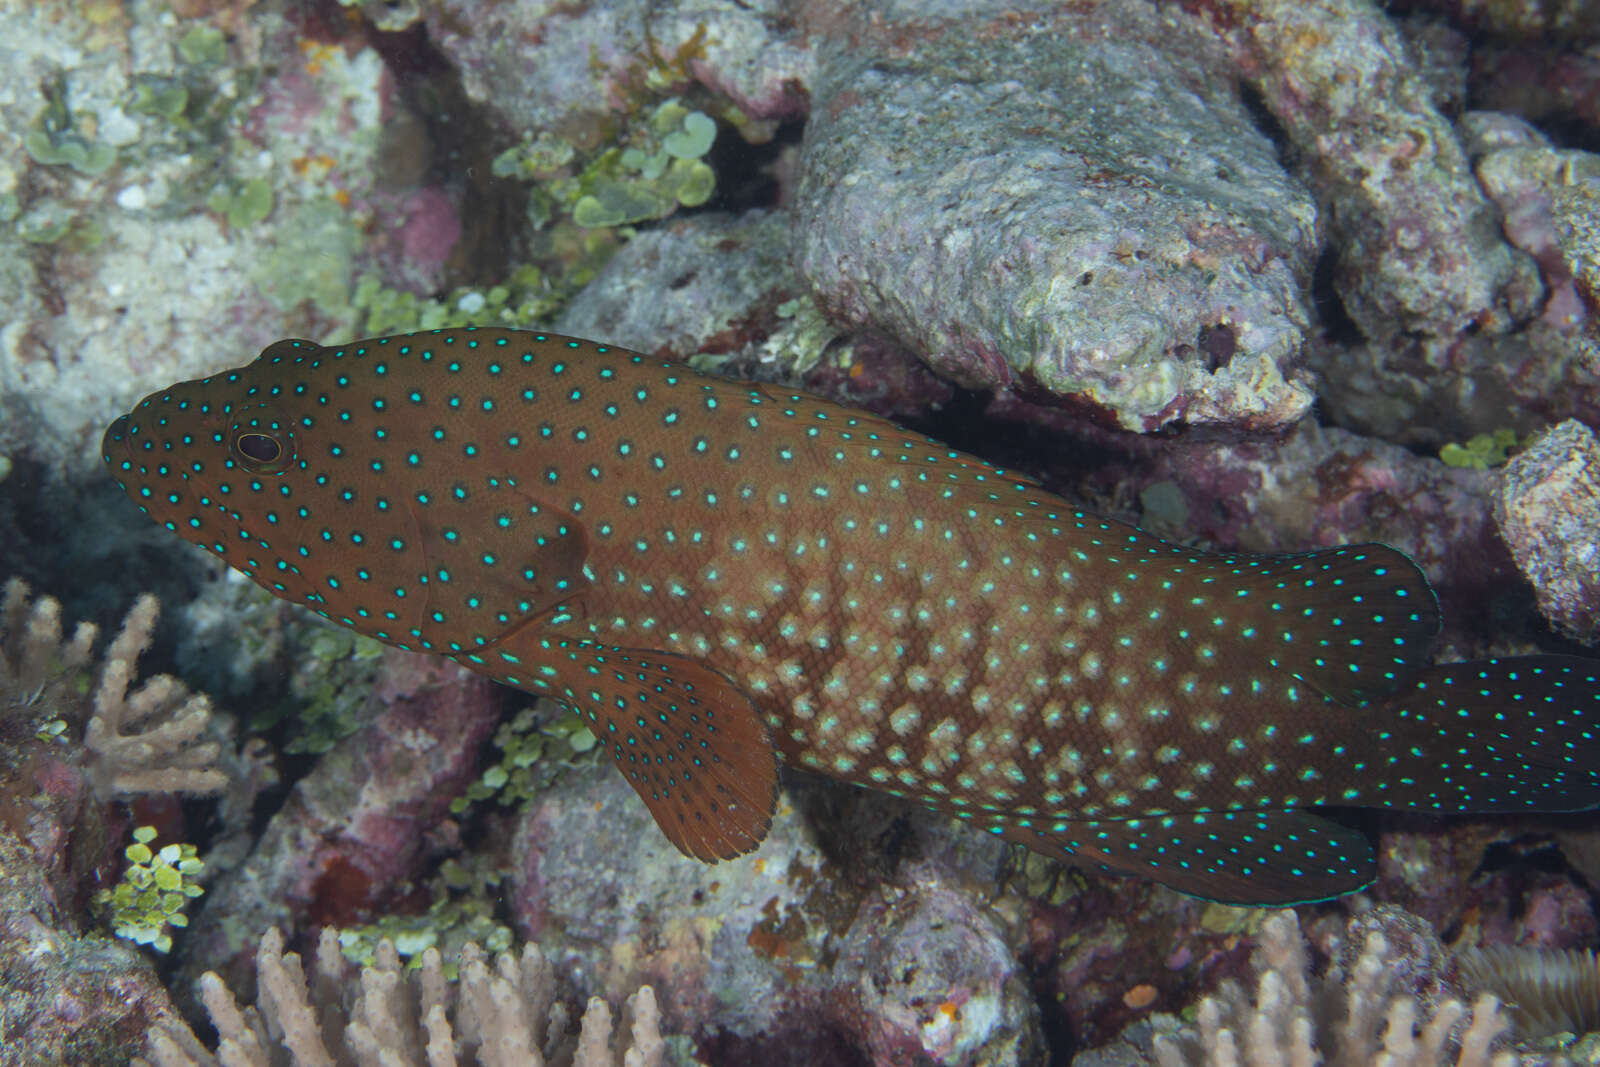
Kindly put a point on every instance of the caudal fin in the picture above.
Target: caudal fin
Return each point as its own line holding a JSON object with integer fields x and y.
{"x": 1495, "y": 735}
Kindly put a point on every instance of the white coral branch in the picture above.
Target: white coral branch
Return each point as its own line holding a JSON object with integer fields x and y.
{"x": 390, "y": 1019}
{"x": 1379, "y": 1029}
{"x": 150, "y": 740}
{"x": 167, "y": 755}
{"x": 32, "y": 654}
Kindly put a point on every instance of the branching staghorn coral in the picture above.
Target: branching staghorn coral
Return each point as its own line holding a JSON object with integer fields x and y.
{"x": 149, "y": 740}
{"x": 493, "y": 1016}
{"x": 1378, "y": 1028}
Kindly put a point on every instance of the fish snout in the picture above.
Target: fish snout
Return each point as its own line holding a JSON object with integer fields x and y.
{"x": 114, "y": 445}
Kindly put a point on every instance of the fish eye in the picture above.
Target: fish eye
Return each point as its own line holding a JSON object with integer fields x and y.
{"x": 261, "y": 451}
{"x": 259, "y": 447}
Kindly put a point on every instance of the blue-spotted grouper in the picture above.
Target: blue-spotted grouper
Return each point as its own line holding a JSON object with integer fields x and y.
{"x": 717, "y": 576}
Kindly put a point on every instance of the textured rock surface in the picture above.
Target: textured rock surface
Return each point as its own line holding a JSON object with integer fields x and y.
{"x": 1450, "y": 331}
{"x": 729, "y": 277}
{"x": 1418, "y": 245}
{"x": 1428, "y": 390}
{"x": 125, "y": 279}
{"x": 1547, "y": 505}
{"x": 1104, "y": 224}
{"x": 67, "y": 997}
{"x": 576, "y": 66}
{"x": 794, "y": 955}
{"x": 739, "y": 309}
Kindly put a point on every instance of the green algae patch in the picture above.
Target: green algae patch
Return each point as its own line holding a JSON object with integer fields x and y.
{"x": 203, "y": 46}
{"x": 1482, "y": 452}
{"x": 693, "y": 139}
{"x": 313, "y": 258}
{"x": 462, "y": 908}
{"x": 336, "y": 692}
{"x": 653, "y": 169}
{"x": 532, "y": 750}
{"x": 154, "y": 891}
{"x": 85, "y": 157}
{"x": 160, "y": 98}
{"x": 56, "y": 139}
{"x": 244, "y": 205}
{"x": 525, "y": 298}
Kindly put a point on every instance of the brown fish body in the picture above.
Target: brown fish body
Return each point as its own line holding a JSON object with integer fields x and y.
{"x": 904, "y": 616}
{"x": 710, "y": 571}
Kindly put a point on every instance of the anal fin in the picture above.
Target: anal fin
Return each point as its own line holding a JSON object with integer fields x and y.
{"x": 1353, "y": 622}
{"x": 1254, "y": 858}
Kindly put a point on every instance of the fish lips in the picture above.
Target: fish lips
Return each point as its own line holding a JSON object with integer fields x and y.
{"x": 116, "y": 449}
{"x": 114, "y": 445}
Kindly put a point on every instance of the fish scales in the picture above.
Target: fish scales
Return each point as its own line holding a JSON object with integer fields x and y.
{"x": 714, "y": 573}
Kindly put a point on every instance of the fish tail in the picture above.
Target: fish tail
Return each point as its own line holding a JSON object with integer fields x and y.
{"x": 1494, "y": 735}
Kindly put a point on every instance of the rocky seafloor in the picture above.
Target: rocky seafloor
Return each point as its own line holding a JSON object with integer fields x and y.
{"x": 1254, "y": 274}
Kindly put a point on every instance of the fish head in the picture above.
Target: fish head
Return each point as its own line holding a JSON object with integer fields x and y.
{"x": 219, "y": 462}
{"x": 327, "y": 477}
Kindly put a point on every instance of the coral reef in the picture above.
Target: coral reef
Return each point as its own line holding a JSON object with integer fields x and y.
{"x": 1123, "y": 245}
{"x": 74, "y": 736}
{"x": 148, "y": 741}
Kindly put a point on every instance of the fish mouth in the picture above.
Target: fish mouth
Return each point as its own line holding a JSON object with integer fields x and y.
{"x": 114, "y": 445}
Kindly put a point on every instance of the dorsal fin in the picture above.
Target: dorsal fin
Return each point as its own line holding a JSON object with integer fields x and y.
{"x": 1353, "y": 622}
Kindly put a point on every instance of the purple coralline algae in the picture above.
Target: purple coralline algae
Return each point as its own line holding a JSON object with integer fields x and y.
{"x": 363, "y": 824}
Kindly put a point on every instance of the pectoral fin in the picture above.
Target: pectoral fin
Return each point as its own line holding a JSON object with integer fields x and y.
{"x": 687, "y": 739}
